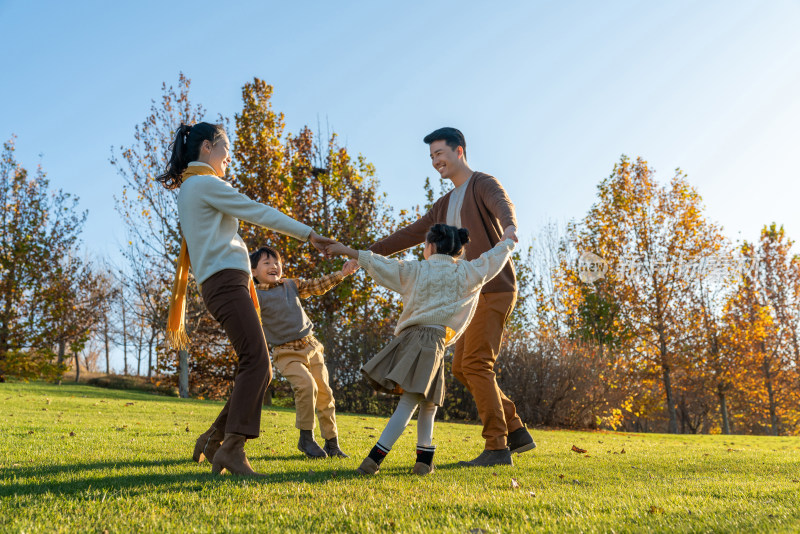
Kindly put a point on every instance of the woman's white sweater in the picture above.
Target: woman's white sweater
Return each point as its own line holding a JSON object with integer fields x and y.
{"x": 439, "y": 291}
{"x": 209, "y": 209}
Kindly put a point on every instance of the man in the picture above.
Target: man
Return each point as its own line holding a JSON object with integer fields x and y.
{"x": 480, "y": 204}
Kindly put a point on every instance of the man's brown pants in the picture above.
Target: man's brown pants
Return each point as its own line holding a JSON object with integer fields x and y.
{"x": 227, "y": 296}
{"x": 473, "y": 365}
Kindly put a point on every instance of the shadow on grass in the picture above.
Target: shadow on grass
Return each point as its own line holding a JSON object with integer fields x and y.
{"x": 146, "y": 483}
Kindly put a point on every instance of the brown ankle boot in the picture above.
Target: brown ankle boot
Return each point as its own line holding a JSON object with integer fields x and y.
{"x": 231, "y": 457}
{"x": 207, "y": 445}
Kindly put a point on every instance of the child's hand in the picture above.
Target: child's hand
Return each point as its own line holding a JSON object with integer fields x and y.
{"x": 350, "y": 267}
{"x": 510, "y": 233}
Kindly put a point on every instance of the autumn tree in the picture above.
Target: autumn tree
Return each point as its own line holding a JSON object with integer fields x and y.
{"x": 76, "y": 296}
{"x": 649, "y": 233}
{"x": 39, "y": 227}
{"x": 767, "y": 312}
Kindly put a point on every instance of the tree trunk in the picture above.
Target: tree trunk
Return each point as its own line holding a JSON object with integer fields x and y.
{"x": 105, "y": 340}
{"x": 150, "y": 358}
{"x": 183, "y": 376}
{"x": 62, "y": 346}
{"x": 77, "y": 367}
{"x": 773, "y": 415}
{"x": 124, "y": 338}
{"x": 673, "y": 416}
{"x": 723, "y": 410}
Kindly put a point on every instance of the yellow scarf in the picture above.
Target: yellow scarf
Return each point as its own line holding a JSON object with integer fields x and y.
{"x": 176, "y": 330}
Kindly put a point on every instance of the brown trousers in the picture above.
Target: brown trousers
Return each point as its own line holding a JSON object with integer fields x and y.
{"x": 227, "y": 297}
{"x": 304, "y": 368}
{"x": 473, "y": 365}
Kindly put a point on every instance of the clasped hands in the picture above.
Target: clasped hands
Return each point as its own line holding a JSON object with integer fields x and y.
{"x": 330, "y": 247}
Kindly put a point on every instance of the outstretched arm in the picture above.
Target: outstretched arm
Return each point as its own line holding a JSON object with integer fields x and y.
{"x": 223, "y": 197}
{"x": 323, "y": 284}
{"x": 496, "y": 199}
{"x": 491, "y": 262}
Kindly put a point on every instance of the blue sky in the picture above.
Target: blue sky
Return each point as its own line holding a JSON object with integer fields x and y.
{"x": 548, "y": 94}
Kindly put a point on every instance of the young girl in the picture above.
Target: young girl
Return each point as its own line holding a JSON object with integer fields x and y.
{"x": 209, "y": 209}
{"x": 439, "y": 298}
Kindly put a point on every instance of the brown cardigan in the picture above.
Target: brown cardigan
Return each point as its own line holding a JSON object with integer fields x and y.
{"x": 486, "y": 212}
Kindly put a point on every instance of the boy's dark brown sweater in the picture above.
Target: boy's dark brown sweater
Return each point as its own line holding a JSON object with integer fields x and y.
{"x": 486, "y": 212}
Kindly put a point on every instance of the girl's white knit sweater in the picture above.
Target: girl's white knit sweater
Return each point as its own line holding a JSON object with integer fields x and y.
{"x": 209, "y": 209}
{"x": 441, "y": 290}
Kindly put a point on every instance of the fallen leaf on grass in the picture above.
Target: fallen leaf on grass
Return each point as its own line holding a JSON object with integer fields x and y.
{"x": 369, "y": 427}
{"x": 655, "y": 509}
{"x": 561, "y": 477}
{"x": 131, "y": 404}
{"x": 622, "y": 451}
{"x": 578, "y": 449}
{"x": 72, "y": 433}
{"x": 47, "y": 401}
{"x": 514, "y": 483}
{"x": 187, "y": 428}
{"x": 532, "y": 494}
{"x": 30, "y": 431}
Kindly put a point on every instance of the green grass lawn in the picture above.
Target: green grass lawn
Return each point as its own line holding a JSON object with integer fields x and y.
{"x": 84, "y": 459}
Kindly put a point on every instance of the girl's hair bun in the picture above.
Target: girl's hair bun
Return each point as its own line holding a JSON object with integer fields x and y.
{"x": 448, "y": 239}
{"x": 463, "y": 234}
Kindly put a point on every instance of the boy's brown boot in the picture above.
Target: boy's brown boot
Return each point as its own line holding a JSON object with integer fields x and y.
{"x": 231, "y": 457}
{"x": 308, "y": 446}
{"x": 207, "y": 444}
{"x": 332, "y": 448}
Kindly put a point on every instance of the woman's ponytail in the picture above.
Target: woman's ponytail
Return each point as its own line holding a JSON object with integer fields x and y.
{"x": 448, "y": 239}
{"x": 185, "y": 148}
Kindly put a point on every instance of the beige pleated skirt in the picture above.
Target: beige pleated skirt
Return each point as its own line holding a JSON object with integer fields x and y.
{"x": 413, "y": 362}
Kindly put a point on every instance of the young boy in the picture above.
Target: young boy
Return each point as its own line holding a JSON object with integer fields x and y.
{"x": 295, "y": 351}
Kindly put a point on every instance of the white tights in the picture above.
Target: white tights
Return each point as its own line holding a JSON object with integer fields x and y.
{"x": 402, "y": 415}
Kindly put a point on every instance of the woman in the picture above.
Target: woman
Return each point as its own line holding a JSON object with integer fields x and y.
{"x": 209, "y": 210}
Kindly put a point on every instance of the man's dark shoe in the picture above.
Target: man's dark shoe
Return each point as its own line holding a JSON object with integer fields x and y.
{"x": 332, "y": 449}
{"x": 488, "y": 458}
{"x": 520, "y": 441}
{"x": 308, "y": 446}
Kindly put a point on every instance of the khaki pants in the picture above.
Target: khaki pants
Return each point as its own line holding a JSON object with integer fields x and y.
{"x": 473, "y": 365}
{"x": 304, "y": 368}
